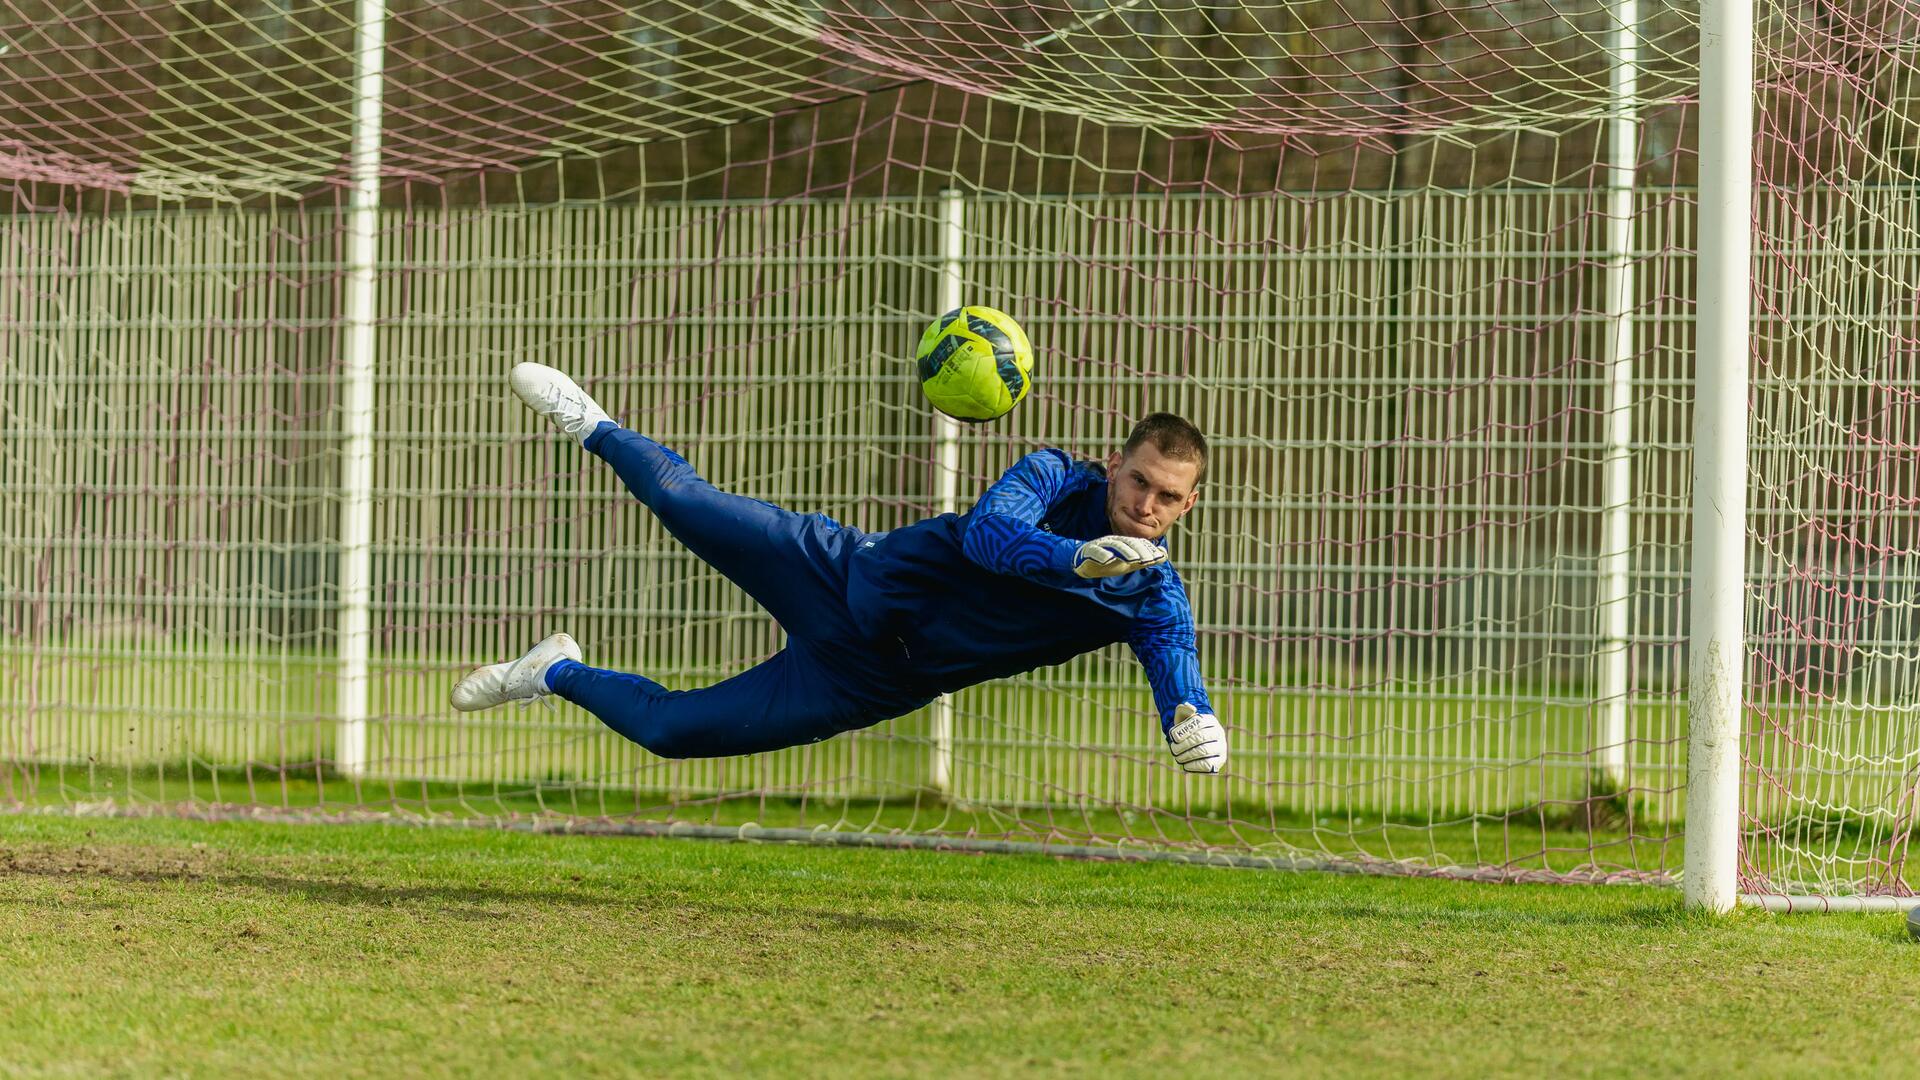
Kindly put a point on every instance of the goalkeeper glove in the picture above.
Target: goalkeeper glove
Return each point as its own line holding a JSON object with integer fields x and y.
{"x": 1111, "y": 556}
{"x": 1197, "y": 740}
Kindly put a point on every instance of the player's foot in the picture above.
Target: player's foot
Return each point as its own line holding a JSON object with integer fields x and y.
{"x": 521, "y": 680}
{"x": 550, "y": 393}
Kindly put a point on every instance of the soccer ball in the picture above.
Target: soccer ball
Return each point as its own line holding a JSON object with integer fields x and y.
{"x": 975, "y": 364}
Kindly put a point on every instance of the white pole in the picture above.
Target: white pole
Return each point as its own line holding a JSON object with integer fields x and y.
{"x": 1718, "y": 648}
{"x": 356, "y": 465}
{"x": 946, "y": 437}
{"x": 1616, "y": 474}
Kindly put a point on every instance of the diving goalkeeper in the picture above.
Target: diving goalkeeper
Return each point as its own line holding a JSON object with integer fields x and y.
{"x": 1058, "y": 558}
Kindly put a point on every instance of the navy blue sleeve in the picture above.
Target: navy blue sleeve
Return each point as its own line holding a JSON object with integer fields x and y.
{"x": 1164, "y": 640}
{"x": 1003, "y": 531}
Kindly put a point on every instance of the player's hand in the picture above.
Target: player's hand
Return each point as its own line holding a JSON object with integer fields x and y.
{"x": 1197, "y": 740}
{"x": 1111, "y": 556}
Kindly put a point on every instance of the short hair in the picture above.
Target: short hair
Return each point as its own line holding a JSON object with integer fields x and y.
{"x": 1174, "y": 438}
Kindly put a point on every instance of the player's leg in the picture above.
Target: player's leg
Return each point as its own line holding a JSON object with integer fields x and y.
{"x": 784, "y": 560}
{"x": 783, "y": 701}
{"x": 787, "y": 700}
{"x": 787, "y": 562}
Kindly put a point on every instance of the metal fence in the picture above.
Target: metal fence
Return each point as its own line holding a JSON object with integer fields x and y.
{"x": 1394, "y": 564}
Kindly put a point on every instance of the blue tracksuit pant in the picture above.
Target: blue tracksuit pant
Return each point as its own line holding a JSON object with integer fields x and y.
{"x": 834, "y": 675}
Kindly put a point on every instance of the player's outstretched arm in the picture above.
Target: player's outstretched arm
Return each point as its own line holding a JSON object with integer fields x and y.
{"x": 1164, "y": 641}
{"x": 1003, "y": 532}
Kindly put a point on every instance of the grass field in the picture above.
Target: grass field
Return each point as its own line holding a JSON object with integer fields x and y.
{"x": 163, "y": 947}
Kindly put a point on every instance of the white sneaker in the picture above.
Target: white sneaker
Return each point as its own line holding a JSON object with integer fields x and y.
{"x": 550, "y": 393}
{"x": 523, "y": 680}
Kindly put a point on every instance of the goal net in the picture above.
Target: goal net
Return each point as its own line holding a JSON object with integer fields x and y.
{"x": 1422, "y": 269}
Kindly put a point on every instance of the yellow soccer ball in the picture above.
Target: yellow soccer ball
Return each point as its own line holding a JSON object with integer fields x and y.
{"x": 975, "y": 364}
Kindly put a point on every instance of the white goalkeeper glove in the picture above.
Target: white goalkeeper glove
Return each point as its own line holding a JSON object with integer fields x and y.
{"x": 1197, "y": 740}
{"x": 1111, "y": 556}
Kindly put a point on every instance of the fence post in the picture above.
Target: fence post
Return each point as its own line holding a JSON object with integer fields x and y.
{"x": 1613, "y": 694}
{"x": 946, "y": 439}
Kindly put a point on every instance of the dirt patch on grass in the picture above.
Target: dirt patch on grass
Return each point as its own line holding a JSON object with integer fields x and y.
{"x": 121, "y": 863}
{"x": 307, "y": 879}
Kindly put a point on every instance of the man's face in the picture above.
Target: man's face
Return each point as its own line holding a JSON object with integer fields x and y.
{"x": 1147, "y": 491}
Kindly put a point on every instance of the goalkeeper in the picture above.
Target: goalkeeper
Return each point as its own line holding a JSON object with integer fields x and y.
{"x": 1057, "y": 559}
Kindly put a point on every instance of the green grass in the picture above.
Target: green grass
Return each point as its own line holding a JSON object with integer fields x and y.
{"x": 180, "y": 948}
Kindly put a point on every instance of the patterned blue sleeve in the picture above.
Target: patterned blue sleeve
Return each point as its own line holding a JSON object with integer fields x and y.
{"x": 1163, "y": 639}
{"x": 1003, "y": 533}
